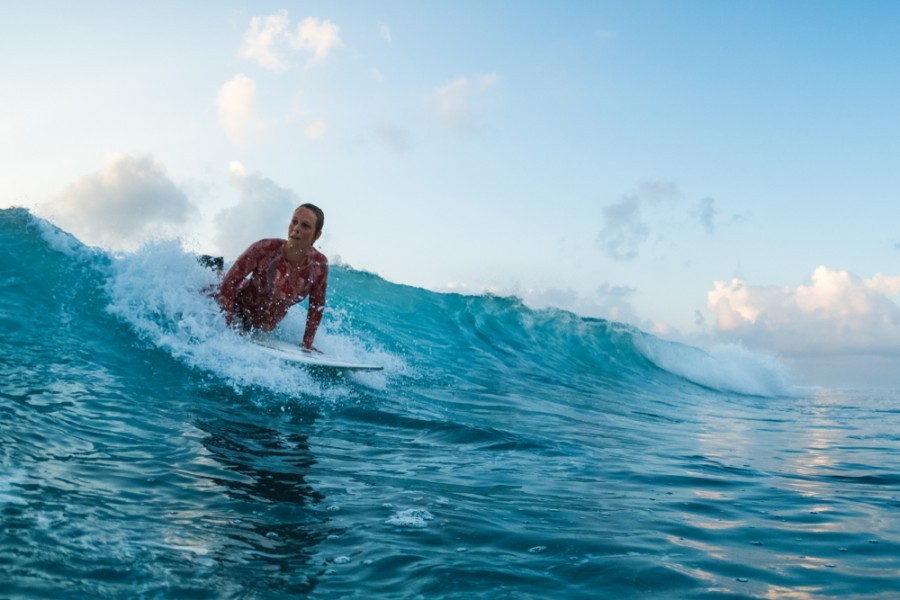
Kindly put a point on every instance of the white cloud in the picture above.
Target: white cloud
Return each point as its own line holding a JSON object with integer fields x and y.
{"x": 837, "y": 312}
{"x": 236, "y": 101}
{"x": 453, "y": 102}
{"x": 262, "y": 39}
{"x": 315, "y": 130}
{"x": 610, "y": 302}
{"x": 131, "y": 200}
{"x": 385, "y": 32}
{"x": 263, "y": 211}
{"x": 269, "y": 40}
{"x": 489, "y": 80}
{"x": 317, "y": 37}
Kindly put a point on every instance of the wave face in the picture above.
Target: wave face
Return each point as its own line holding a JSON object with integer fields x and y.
{"x": 147, "y": 450}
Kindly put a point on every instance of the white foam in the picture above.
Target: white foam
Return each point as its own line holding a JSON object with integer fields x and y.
{"x": 415, "y": 518}
{"x": 730, "y": 368}
{"x": 159, "y": 291}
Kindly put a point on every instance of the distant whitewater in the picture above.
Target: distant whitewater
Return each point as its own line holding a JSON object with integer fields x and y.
{"x": 149, "y": 451}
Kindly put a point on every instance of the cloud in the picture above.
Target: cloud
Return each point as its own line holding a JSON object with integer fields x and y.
{"x": 269, "y": 40}
{"x": 394, "y": 136}
{"x": 263, "y": 38}
{"x": 623, "y": 229}
{"x": 628, "y": 223}
{"x": 611, "y": 302}
{"x": 836, "y": 312}
{"x": 263, "y": 211}
{"x": 317, "y": 37}
{"x": 385, "y": 32}
{"x": 655, "y": 192}
{"x": 237, "y": 115}
{"x": 315, "y": 130}
{"x": 706, "y": 213}
{"x": 131, "y": 200}
{"x": 453, "y": 102}
{"x": 625, "y": 225}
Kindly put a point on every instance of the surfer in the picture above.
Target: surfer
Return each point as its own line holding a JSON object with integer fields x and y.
{"x": 274, "y": 274}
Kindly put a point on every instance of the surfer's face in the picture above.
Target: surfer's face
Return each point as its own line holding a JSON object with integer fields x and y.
{"x": 302, "y": 230}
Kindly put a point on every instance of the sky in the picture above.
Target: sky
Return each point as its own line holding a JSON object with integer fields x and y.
{"x": 712, "y": 172}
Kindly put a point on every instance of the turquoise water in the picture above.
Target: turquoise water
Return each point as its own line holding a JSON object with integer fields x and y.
{"x": 148, "y": 452}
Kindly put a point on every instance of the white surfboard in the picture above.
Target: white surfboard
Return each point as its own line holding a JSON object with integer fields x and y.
{"x": 295, "y": 354}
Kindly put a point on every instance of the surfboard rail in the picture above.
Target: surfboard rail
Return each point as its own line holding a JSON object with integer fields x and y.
{"x": 296, "y": 354}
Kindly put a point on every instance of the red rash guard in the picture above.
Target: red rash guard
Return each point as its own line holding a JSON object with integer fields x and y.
{"x": 262, "y": 300}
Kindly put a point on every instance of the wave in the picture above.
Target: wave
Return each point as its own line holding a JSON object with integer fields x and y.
{"x": 154, "y": 299}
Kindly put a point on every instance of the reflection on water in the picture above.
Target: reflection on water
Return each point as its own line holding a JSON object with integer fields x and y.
{"x": 268, "y": 523}
{"x": 788, "y": 491}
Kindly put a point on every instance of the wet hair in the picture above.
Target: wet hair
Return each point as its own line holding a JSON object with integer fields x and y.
{"x": 320, "y": 216}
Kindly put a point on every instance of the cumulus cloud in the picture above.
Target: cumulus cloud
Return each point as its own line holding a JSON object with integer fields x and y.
{"x": 836, "y": 312}
{"x": 454, "y": 103}
{"x": 270, "y": 40}
{"x": 263, "y": 39}
{"x": 236, "y": 102}
{"x": 263, "y": 211}
{"x": 317, "y": 37}
{"x": 130, "y": 200}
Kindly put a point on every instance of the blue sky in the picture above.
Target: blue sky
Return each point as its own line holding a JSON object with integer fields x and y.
{"x": 711, "y": 171}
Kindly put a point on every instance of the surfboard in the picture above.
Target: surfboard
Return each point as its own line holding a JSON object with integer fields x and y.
{"x": 295, "y": 354}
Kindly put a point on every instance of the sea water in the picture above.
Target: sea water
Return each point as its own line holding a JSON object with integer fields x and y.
{"x": 147, "y": 451}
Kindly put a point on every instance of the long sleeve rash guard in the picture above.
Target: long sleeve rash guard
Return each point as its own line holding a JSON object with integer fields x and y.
{"x": 262, "y": 285}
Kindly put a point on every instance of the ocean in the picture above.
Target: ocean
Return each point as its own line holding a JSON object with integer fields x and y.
{"x": 148, "y": 451}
